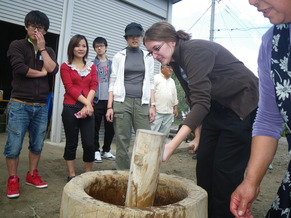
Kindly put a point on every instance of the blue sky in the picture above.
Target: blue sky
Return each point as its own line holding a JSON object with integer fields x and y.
{"x": 238, "y": 25}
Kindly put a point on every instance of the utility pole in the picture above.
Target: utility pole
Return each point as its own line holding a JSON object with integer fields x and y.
{"x": 211, "y": 35}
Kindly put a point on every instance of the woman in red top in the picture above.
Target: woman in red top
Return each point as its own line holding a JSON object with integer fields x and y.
{"x": 80, "y": 81}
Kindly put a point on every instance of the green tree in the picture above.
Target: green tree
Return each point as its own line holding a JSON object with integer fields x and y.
{"x": 182, "y": 106}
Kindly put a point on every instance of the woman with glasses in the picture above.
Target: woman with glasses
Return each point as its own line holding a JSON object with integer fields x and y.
{"x": 131, "y": 93}
{"x": 274, "y": 66}
{"x": 223, "y": 97}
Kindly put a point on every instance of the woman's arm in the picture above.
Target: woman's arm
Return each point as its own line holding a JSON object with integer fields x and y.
{"x": 176, "y": 141}
{"x": 266, "y": 133}
{"x": 263, "y": 151}
{"x": 194, "y": 144}
{"x": 66, "y": 75}
{"x": 88, "y": 109}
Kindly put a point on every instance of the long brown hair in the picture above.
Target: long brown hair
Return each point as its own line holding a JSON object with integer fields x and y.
{"x": 74, "y": 43}
{"x": 164, "y": 31}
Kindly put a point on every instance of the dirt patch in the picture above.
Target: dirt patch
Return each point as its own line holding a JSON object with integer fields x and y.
{"x": 46, "y": 202}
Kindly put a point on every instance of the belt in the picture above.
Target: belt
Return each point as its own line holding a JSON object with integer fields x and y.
{"x": 28, "y": 103}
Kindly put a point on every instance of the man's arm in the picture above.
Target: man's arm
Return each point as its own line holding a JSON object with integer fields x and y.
{"x": 152, "y": 111}
{"x": 110, "y": 112}
{"x": 49, "y": 65}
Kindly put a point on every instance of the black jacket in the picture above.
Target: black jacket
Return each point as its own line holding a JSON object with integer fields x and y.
{"x": 22, "y": 57}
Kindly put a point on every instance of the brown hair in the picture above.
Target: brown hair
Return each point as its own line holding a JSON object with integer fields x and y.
{"x": 164, "y": 31}
{"x": 74, "y": 43}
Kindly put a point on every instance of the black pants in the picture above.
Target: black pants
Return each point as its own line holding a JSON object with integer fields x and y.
{"x": 100, "y": 110}
{"x": 72, "y": 126}
{"x": 222, "y": 157}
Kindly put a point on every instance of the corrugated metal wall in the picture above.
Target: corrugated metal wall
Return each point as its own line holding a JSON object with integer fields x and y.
{"x": 107, "y": 19}
{"x": 14, "y": 11}
{"x": 92, "y": 18}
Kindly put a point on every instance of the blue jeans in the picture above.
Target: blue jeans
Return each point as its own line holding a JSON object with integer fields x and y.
{"x": 22, "y": 118}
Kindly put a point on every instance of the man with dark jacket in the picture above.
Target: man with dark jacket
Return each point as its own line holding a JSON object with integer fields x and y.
{"x": 32, "y": 62}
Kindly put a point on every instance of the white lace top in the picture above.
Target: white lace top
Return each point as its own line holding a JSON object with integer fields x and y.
{"x": 83, "y": 72}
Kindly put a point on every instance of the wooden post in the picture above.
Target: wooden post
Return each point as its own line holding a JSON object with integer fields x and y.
{"x": 144, "y": 168}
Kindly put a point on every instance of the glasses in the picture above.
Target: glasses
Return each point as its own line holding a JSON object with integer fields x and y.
{"x": 33, "y": 27}
{"x": 99, "y": 46}
{"x": 156, "y": 49}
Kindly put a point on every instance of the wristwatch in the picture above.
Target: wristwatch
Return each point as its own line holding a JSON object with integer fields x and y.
{"x": 153, "y": 104}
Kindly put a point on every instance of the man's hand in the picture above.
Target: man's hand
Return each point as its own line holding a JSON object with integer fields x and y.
{"x": 109, "y": 115}
{"x": 152, "y": 114}
{"x": 40, "y": 40}
{"x": 175, "y": 112}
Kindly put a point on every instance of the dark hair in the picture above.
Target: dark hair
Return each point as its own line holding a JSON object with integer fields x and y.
{"x": 37, "y": 18}
{"x": 164, "y": 31}
{"x": 100, "y": 40}
{"x": 74, "y": 43}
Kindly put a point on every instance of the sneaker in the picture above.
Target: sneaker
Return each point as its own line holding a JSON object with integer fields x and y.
{"x": 35, "y": 180}
{"x": 108, "y": 155}
{"x": 13, "y": 187}
{"x": 98, "y": 157}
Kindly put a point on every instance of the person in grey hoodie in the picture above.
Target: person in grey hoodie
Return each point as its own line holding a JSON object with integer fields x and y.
{"x": 103, "y": 65}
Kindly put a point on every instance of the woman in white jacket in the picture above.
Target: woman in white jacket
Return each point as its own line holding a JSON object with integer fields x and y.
{"x": 131, "y": 90}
